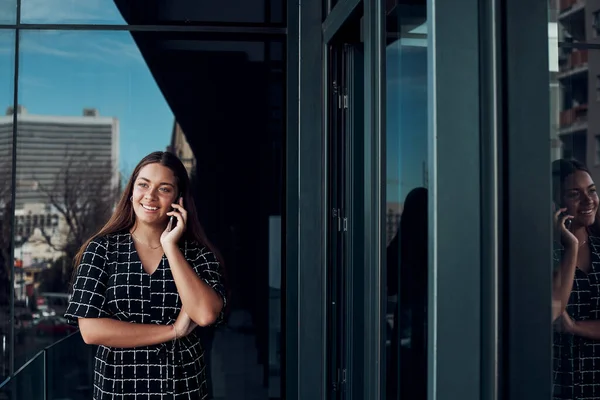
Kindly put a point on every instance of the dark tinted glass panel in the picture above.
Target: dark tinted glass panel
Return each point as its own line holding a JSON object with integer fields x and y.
{"x": 406, "y": 202}
{"x": 28, "y": 383}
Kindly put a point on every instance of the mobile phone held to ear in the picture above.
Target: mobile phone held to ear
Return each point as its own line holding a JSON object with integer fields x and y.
{"x": 172, "y": 219}
{"x": 568, "y": 221}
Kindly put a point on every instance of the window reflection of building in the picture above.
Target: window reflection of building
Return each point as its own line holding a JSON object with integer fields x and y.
{"x": 35, "y": 226}
{"x": 48, "y": 145}
{"x": 180, "y": 146}
{"x": 40, "y": 232}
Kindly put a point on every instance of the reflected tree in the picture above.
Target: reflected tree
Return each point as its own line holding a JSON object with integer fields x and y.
{"x": 83, "y": 194}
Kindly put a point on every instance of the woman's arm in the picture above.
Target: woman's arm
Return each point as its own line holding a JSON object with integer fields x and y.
{"x": 562, "y": 282}
{"x": 589, "y": 329}
{"x": 112, "y": 333}
{"x": 202, "y": 303}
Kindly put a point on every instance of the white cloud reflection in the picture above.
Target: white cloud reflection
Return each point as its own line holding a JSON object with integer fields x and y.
{"x": 112, "y": 48}
{"x": 69, "y": 12}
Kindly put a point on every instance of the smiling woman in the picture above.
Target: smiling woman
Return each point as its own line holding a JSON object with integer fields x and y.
{"x": 142, "y": 287}
{"x": 153, "y": 193}
{"x": 575, "y": 286}
{"x": 91, "y": 104}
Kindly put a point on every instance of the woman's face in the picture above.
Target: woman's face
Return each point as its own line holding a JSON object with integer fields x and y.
{"x": 580, "y": 198}
{"x": 154, "y": 190}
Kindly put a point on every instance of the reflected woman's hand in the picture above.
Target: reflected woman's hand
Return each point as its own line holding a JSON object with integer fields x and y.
{"x": 567, "y": 237}
{"x": 565, "y": 324}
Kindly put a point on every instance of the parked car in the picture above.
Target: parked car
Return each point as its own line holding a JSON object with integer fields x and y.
{"x": 54, "y": 326}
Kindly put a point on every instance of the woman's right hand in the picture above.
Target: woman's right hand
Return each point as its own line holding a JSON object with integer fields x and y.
{"x": 566, "y": 236}
{"x": 184, "y": 324}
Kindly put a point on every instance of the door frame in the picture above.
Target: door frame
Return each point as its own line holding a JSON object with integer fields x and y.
{"x": 500, "y": 76}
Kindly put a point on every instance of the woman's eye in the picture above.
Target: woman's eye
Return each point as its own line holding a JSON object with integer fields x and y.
{"x": 142, "y": 184}
{"x": 165, "y": 190}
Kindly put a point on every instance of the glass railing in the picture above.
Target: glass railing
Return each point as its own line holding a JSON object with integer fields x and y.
{"x": 63, "y": 370}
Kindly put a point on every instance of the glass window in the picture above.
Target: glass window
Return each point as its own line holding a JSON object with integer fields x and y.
{"x": 575, "y": 67}
{"x": 8, "y": 12}
{"x": 176, "y": 12}
{"x": 7, "y": 62}
{"x": 406, "y": 203}
{"x": 91, "y": 105}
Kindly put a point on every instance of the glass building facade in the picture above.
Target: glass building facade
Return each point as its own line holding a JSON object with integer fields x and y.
{"x": 377, "y": 175}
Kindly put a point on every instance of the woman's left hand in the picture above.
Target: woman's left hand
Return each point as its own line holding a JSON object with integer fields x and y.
{"x": 171, "y": 235}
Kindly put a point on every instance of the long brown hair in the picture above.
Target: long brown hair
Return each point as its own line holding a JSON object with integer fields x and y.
{"x": 123, "y": 218}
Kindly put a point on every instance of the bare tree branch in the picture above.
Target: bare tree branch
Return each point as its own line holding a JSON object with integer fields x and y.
{"x": 84, "y": 195}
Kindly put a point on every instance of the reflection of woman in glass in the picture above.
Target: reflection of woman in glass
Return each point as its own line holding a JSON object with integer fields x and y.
{"x": 142, "y": 286}
{"x": 407, "y": 270}
{"x": 576, "y": 283}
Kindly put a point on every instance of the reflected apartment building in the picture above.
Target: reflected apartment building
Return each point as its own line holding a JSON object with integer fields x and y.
{"x": 59, "y": 159}
{"x": 181, "y": 147}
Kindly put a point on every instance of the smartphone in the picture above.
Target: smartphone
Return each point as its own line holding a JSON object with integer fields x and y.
{"x": 569, "y": 221}
{"x": 172, "y": 219}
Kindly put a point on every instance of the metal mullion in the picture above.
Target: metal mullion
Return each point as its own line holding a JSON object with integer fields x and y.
{"x": 305, "y": 214}
{"x": 200, "y": 28}
{"x": 374, "y": 206}
{"x": 14, "y": 196}
{"x": 491, "y": 188}
{"x": 455, "y": 260}
{"x": 527, "y": 157}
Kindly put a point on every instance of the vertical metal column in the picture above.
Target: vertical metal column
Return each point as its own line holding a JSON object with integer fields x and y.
{"x": 374, "y": 200}
{"x": 455, "y": 260}
{"x": 305, "y": 227}
{"x": 527, "y": 295}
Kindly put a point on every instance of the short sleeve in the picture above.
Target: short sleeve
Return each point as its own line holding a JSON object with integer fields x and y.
{"x": 87, "y": 300}
{"x": 209, "y": 269}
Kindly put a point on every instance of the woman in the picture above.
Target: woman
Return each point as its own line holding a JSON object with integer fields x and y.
{"x": 576, "y": 285}
{"x": 143, "y": 284}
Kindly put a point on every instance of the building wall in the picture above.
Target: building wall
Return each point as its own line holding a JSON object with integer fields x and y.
{"x": 49, "y": 145}
{"x": 180, "y": 146}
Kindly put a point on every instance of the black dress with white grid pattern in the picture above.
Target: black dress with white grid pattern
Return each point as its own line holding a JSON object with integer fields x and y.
{"x": 577, "y": 359}
{"x": 111, "y": 283}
